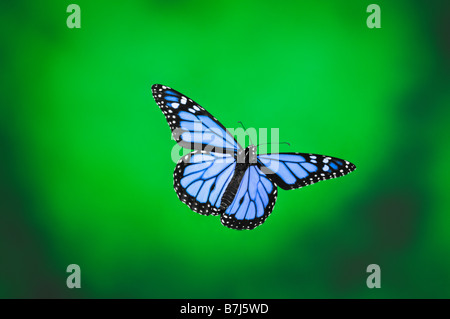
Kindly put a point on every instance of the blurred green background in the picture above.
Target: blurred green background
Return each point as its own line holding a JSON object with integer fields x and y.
{"x": 85, "y": 153}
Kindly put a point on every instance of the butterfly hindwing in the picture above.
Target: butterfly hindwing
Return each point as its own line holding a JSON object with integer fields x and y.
{"x": 192, "y": 126}
{"x": 201, "y": 178}
{"x": 294, "y": 170}
{"x": 253, "y": 202}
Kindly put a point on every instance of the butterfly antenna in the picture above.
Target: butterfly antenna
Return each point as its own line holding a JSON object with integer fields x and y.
{"x": 245, "y": 130}
{"x": 242, "y": 124}
{"x": 274, "y": 143}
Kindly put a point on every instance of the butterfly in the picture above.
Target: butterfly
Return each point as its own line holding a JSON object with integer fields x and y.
{"x": 220, "y": 177}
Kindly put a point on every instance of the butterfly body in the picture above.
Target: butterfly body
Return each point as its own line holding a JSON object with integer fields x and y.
{"x": 220, "y": 177}
{"x": 244, "y": 158}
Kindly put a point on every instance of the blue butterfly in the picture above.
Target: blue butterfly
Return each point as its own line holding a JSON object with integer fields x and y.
{"x": 220, "y": 177}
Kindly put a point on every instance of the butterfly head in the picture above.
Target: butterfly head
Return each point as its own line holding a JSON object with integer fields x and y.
{"x": 247, "y": 156}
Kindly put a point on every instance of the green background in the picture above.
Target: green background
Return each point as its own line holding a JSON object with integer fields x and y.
{"x": 85, "y": 153}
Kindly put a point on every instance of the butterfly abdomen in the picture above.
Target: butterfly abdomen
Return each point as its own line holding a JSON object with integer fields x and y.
{"x": 233, "y": 186}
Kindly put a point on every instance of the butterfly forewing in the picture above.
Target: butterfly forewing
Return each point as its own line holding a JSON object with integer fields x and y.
{"x": 192, "y": 126}
{"x": 294, "y": 170}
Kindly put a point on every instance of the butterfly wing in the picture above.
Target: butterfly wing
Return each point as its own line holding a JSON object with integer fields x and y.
{"x": 201, "y": 178}
{"x": 253, "y": 202}
{"x": 294, "y": 170}
{"x": 192, "y": 126}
